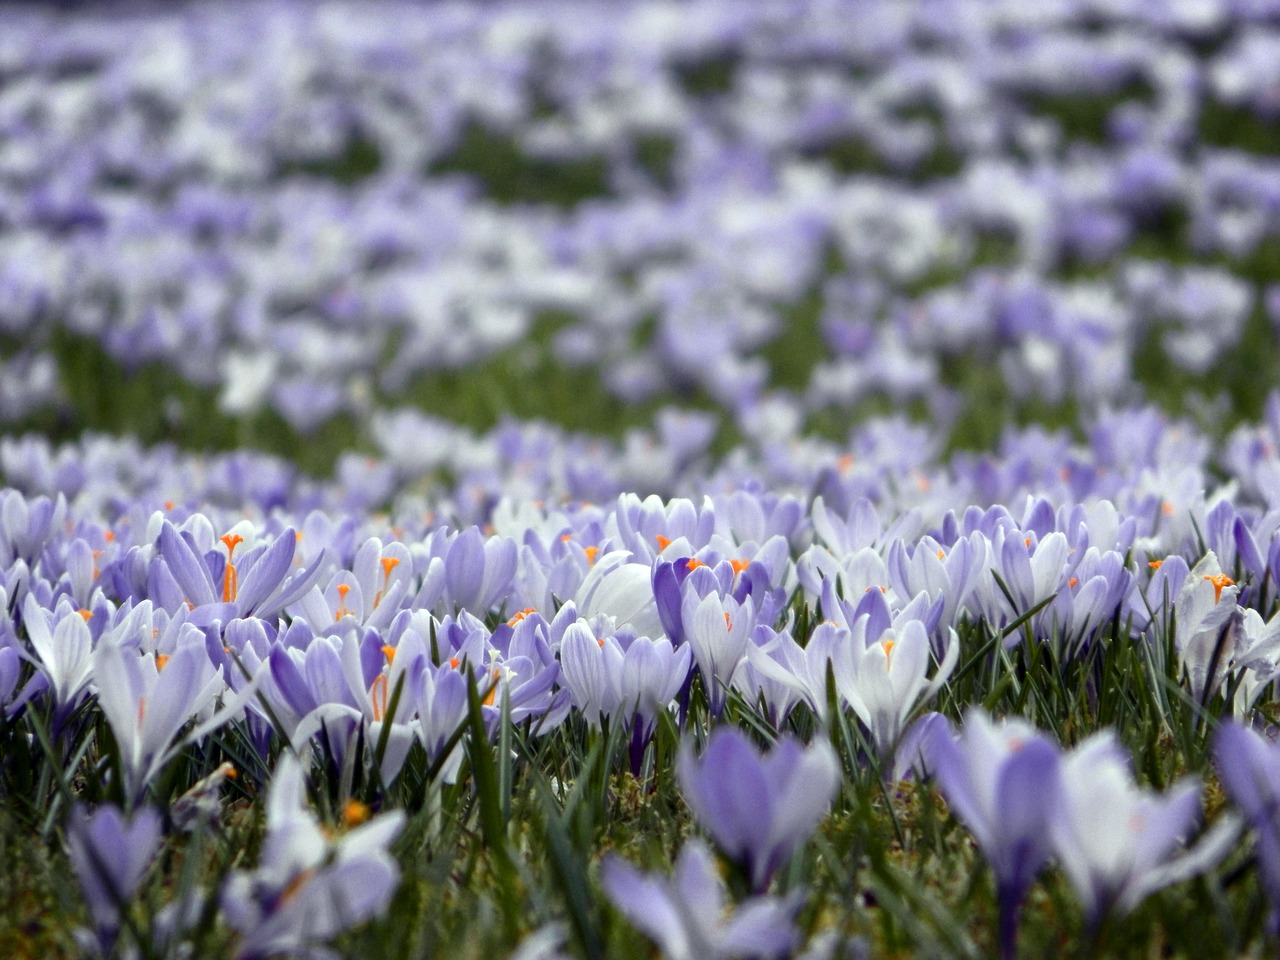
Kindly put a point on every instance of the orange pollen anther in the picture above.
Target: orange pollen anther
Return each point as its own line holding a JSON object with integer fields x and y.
{"x": 845, "y": 463}
{"x": 728, "y": 624}
{"x": 566, "y": 537}
{"x": 1220, "y": 581}
{"x": 493, "y": 690}
{"x": 663, "y": 542}
{"x": 888, "y": 649}
{"x": 694, "y": 563}
{"x": 1027, "y": 542}
{"x": 168, "y": 504}
{"x": 1073, "y": 581}
{"x": 455, "y": 662}
{"x": 108, "y": 535}
{"x": 521, "y": 615}
{"x": 231, "y": 541}
{"x": 591, "y": 554}
{"x": 389, "y": 652}
{"x": 354, "y": 813}
{"x": 941, "y": 553}
{"x": 378, "y": 696}
{"x": 1156, "y": 564}
{"x": 161, "y": 660}
{"x": 739, "y": 565}
{"x": 86, "y": 614}
{"x": 389, "y": 564}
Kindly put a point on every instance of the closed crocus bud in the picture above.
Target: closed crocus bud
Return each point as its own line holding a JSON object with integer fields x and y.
{"x": 759, "y": 808}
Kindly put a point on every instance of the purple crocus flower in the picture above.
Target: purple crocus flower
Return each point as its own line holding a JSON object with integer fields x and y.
{"x": 758, "y": 807}
{"x": 688, "y": 917}
{"x": 1117, "y": 842}
{"x": 1001, "y": 781}
{"x": 307, "y": 888}
{"x": 110, "y": 855}
{"x": 1249, "y": 769}
{"x": 148, "y": 699}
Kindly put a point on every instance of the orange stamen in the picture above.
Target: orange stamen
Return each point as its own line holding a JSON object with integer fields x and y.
{"x": 1156, "y": 564}
{"x": 1220, "y": 581}
{"x": 1073, "y": 581}
{"x": 354, "y": 813}
{"x": 86, "y": 614}
{"x": 378, "y": 696}
{"x": 663, "y": 542}
{"x": 389, "y": 652}
{"x": 161, "y": 660}
{"x": 739, "y": 565}
{"x": 694, "y": 563}
{"x": 888, "y": 649}
{"x": 230, "y": 584}
{"x": 591, "y": 554}
{"x": 521, "y": 615}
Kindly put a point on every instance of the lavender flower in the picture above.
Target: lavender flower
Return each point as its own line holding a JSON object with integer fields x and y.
{"x": 688, "y": 917}
{"x": 110, "y": 856}
{"x": 307, "y": 888}
{"x": 1118, "y": 843}
{"x": 1002, "y": 781}
{"x": 759, "y": 808}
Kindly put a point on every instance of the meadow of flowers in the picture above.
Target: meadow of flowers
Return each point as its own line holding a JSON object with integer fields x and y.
{"x": 701, "y": 480}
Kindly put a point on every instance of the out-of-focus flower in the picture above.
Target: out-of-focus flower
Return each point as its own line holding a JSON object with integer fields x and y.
{"x": 1249, "y": 768}
{"x": 1117, "y": 842}
{"x": 759, "y": 808}
{"x": 1001, "y": 780}
{"x": 110, "y": 854}
{"x": 307, "y": 888}
{"x": 688, "y": 916}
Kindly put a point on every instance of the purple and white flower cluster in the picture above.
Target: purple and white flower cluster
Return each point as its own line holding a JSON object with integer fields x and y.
{"x": 266, "y": 197}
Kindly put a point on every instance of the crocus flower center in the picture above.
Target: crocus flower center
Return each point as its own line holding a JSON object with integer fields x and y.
{"x": 389, "y": 652}
{"x": 161, "y": 660}
{"x": 888, "y": 649}
{"x": 342, "y": 611}
{"x": 354, "y": 813}
{"x": 520, "y": 615}
{"x": 591, "y": 554}
{"x": 1220, "y": 581}
{"x": 694, "y": 563}
{"x": 388, "y": 564}
{"x": 739, "y": 565}
{"x": 663, "y": 542}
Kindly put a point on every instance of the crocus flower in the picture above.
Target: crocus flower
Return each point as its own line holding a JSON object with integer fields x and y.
{"x": 148, "y": 699}
{"x": 885, "y": 677}
{"x": 1001, "y": 780}
{"x": 759, "y": 808}
{"x": 110, "y": 854}
{"x": 308, "y": 889}
{"x": 688, "y": 917}
{"x": 1117, "y": 842}
{"x": 1249, "y": 768}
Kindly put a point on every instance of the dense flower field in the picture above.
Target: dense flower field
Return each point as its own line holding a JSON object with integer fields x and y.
{"x": 708, "y": 480}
